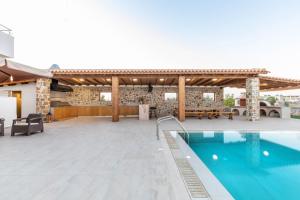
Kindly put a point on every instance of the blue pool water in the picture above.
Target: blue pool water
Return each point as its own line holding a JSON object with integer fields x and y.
{"x": 254, "y": 166}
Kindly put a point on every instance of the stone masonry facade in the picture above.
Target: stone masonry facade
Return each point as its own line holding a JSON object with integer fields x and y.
{"x": 43, "y": 95}
{"x": 252, "y": 98}
{"x": 130, "y": 95}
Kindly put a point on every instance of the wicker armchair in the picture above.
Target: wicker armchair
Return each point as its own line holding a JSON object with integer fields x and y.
{"x": 32, "y": 123}
{"x": 1, "y": 127}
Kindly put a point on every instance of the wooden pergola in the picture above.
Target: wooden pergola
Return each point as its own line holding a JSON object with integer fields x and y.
{"x": 181, "y": 78}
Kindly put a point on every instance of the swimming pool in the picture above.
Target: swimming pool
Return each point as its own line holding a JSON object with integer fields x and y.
{"x": 252, "y": 165}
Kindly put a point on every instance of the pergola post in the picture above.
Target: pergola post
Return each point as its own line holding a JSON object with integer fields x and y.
{"x": 252, "y": 98}
{"x": 181, "y": 98}
{"x": 115, "y": 98}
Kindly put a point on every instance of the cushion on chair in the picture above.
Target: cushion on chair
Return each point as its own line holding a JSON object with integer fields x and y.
{"x": 25, "y": 124}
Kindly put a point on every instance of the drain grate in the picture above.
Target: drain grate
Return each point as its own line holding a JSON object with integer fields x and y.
{"x": 190, "y": 178}
{"x": 193, "y": 183}
{"x": 171, "y": 141}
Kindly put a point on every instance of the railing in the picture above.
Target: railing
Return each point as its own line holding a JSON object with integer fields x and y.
{"x": 170, "y": 117}
{"x": 5, "y": 29}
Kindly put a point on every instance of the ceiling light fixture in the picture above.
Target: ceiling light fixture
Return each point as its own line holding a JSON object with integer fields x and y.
{"x": 135, "y": 80}
{"x": 11, "y": 78}
{"x": 108, "y": 79}
{"x": 188, "y": 79}
{"x": 214, "y": 79}
{"x": 81, "y": 79}
{"x": 162, "y": 79}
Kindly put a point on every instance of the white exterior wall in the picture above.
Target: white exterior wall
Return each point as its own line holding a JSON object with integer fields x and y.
{"x": 7, "y": 45}
{"x": 8, "y": 109}
{"x": 28, "y": 96}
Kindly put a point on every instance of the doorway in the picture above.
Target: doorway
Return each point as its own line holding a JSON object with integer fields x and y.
{"x": 18, "y": 95}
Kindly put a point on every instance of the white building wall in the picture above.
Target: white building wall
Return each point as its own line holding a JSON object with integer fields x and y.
{"x": 8, "y": 109}
{"x": 28, "y": 96}
{"x": 6, "y": 45}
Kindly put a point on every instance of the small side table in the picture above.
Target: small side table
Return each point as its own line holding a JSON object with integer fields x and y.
{"x": 153, "y": 111}
{"x": 49, "y": 118}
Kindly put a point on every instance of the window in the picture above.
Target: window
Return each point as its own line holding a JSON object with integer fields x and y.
{"x": 170, "y": 96}
{"x": 209, "y": 97}
{"x": 105, "y": 96}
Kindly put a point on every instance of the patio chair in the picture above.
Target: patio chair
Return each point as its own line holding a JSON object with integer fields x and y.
{"x": 1, "y": 127}
{"x": 31, "y": 124}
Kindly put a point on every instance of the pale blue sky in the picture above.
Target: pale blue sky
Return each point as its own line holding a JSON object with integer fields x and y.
{"x": 157, "y": 33}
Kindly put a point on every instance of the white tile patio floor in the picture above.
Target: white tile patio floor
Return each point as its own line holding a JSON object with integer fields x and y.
{"x": 93, "y": 158}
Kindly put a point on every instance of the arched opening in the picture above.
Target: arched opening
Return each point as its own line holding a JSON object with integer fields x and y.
{"x": 236, "y": 112}
{"x": 245, "y": 113}
{"x": 263, "y": 113}
{"x": 263, "y": 103}
{"x": 274, "y": 113}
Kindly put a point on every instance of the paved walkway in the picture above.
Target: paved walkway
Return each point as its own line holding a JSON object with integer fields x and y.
{"x": 93, "y": 158}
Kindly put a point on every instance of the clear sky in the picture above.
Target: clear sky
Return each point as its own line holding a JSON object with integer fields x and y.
{"x": 157, "y": 33}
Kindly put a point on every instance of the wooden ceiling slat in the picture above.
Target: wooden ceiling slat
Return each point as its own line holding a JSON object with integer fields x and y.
{"x": 173, "y": 81}
{"x": 226, "y": 81}
{"x": 207, "y": 83}
{"x": 122, "y": 82}
{"x": 89, "y": 81}
{"x": 77, "y": 81}
{"x": 200, "y": 81}
{"x": 94, "y": 81}
{"x": 67, "y": 81}
{"x": 194, "y": 80}
{"x": 98, "y": 81}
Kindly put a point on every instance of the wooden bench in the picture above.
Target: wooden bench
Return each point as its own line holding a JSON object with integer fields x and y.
{"x": 229, "y": 114}
{"x": 198, "y": 114}
{"x": 217, "y": 114}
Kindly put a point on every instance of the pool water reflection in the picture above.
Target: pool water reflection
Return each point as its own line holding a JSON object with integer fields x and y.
{"x": 256, "y": 166}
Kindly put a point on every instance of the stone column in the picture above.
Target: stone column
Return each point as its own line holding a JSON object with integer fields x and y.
{"x": 181, "y": 98}
{"x": 43, "y": 95}
{"x": 252, "y": 98}
{"x": 115, "y": 99}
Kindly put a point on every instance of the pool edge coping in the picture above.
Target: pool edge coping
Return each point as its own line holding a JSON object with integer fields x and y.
{"x": 214, "y": 188}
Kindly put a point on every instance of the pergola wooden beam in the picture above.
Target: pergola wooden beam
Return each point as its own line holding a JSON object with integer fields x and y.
{"x": 17, "y": 82}
{"x": 115, "y": 99}
{"x": 181, "y": 98}
{"x": 98, "y": 81}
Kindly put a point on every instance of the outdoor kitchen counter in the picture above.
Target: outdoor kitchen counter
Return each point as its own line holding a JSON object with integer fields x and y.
{"x": 66, "y": 112}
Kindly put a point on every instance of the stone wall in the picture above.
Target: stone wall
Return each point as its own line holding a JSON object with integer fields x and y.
{"x": 130, "y": 95}
{"x": 252, "y": 99}
{"x": 43, "y": 95}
